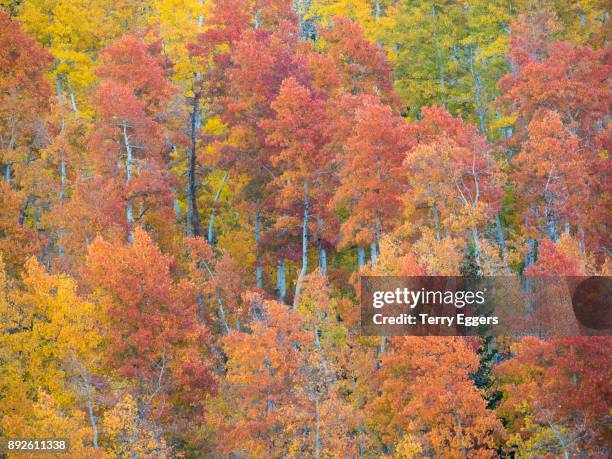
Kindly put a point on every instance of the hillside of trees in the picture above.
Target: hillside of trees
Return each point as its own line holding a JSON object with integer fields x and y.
{"x": 191, "y": 189}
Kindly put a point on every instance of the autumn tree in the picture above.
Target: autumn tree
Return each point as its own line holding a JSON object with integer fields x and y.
{"x": 370, "y": 184}
{"x": 452, "y": 174}
{"x": 220, "y": 281}
{"x": 362, "y": 65}
{"x": 296, "y": 132}
{"x": 156, "y": 342}
{"x": 52, "y": 350}
{"x": 287, "y": 366}
{"x": 373, "y": 15}
{"x": 24, "y": 93}
{"x": 210, "y": 56}
{"x": 427, "y": 402}
{"x": 563, "y": 132}
{"x": 450, "y": 54}
{"x": 555, "y": 396}
{"x": 129, "y": 146}
{"x": 262, "y": 60}
{"x": 262, "y": 368}
{"x": 75, "y": 32}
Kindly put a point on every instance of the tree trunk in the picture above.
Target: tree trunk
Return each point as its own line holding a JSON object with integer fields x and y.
{"x": 303, "y": 271}
{"x": 373, "y": 254}
{"x": 72, "y": 97}
{"x": 128, "y": 176}
{"x": 211, "y": 224}
{"x": 361, "y": 257}
{"x": 440, "y": 61}
{"x": 92, "y": 417}
{"x": 258, "y": 267}
{"x": 530, "y": 259}
{"x": 201, "y": 16}
{"x": 501, "y": 242}
{"x": 60, "y": 99}
{"x": 222, "y": 313}
{"x": 480, "y": 108}
{"x": 175, "y": 203}
{"x": 476, "y": 239}
{"x": 553, "y": 227}
{"x": 59, "y": 89}
{"x": 560, "y": 438}
{"x": 323, "y": 261}
{"x": 62, "y": 177}
{"x": 193, "y": 217}
{"x": 436, "y": 218}
{"x": 281, "y": 280}
{"x": 317, "y": 430}
{"x": 321, "y": 249}
{"x": 581, "y": 240}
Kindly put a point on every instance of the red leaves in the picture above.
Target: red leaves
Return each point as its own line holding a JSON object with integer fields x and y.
{"x": 364, "y": 68}
{"x": 370, "y": 186}
{"x": 563, "y": 382}
{"x": 23, "y": 63}
{"x": 128, "y": 140}
{"x": 140, "y": 69}
{"x": 552, "y": 261}
{"x": 153, "y": 319}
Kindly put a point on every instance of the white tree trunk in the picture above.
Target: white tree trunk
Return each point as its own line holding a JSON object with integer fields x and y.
{"x": 304, "y": 270}
{"x": 373, "y": 257}
{"x": 128, "y": 176}
{"x": 211, "y": 224}
{"x": 258, "y": 267}
{"x": 281, "y": 280}
{"x": 361, "y": 257}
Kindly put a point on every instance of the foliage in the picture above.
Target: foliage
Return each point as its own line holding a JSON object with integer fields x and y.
{"x": 192, "y": 189}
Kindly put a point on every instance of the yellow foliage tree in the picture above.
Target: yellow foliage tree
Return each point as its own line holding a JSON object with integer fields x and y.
{"x": 74, "y": 31}
{"x": 50, "y": 344}
{"x": 47, "y": 420}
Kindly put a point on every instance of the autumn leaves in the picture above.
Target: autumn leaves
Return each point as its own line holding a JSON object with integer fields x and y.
{"x": 191, "y": 189}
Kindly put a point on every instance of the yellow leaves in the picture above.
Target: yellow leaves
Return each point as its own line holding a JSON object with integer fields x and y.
{"x": 129, "y": 436}
{"x": 505, "y": 121}
{"x": 442, "y": 257}
{"x": 215, "y": 126}
{"x": 75, "y": 30}
{"x": 53, "y": 331}
{"x": 72, "y": 321}
{"x": 239, "y": 243}
{"x": 408, "y": 447}
{"x": 179, "y": 23}
{"x": 47, "y": 419}
{"x": 375, "y": 16}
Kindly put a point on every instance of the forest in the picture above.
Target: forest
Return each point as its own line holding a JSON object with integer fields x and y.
{"x": 191, "y": 190}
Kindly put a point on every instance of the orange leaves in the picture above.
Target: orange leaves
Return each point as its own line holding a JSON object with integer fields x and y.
{"x": 364, "y": 68}
{"x": 370, "y": 185}
{"x": 296, "y": 129}
{"x": 562, "y": 101}
{"x": 451, "y": 175}
{"x": 557, "y": 180}
{"x": 427, "y": 381}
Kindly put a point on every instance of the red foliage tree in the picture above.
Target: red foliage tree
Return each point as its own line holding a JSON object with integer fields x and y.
{"x": 155, "y": 340}
{"x": 128, "y": 143}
